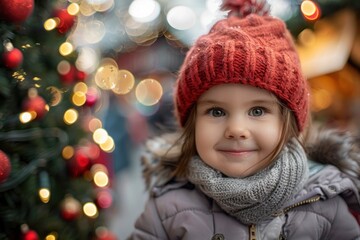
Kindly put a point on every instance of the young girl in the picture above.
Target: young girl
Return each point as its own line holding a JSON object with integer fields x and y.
{"x": 239, "y": 169}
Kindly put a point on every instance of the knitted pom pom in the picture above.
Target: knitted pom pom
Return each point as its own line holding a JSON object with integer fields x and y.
{"x": 242, "y": 8}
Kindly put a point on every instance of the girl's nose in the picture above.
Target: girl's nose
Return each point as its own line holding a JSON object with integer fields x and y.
{"x": 237, "y": 129}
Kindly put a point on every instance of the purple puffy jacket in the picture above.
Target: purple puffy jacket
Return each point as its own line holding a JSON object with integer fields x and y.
{"x": 179, "y": 210}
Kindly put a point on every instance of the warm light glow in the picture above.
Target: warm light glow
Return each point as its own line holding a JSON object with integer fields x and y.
{"x": 79, "y": 98}
{"x": 80, "y": 87}
{"x": 124, "y": 83}
{"x": 25, "y": 117}
{"x": 107, "y": 74}
{"x": 73, "y": 9}
{"x": 90, "y": 210}
{"x": 100, "y": 136}
{"x": 68, "y": 152}
{"x": 321, "y": 99}
{"x": 70, "y": 116}
{"x": 148, "y": 92}
{"x": 108, "y": 145}
{"x": 44, "y": 194}
{"x": 94, "y": 124}
{"x": 310, "y": 10}
{"x": 50, "y": 24}
{"x": 307, "y": 37}
{"x": 101, "y": 179}
{"x": 66, "y": 48}
{"x": 51, "y": 236}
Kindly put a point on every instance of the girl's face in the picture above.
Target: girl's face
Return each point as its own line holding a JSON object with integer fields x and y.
{"x": 237, "y": 128}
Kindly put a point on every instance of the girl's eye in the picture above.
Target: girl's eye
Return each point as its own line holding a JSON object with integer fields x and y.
{"x": 216, "y": 112}
{"x": 257, "y": 111}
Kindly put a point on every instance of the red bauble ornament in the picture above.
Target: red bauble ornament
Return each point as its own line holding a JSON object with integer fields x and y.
{"x": 66, "y": 21}
{"x": 5, "y": 166}
{"x": 103, "y": 233}
{"x": 70, "y": 208}
{"x": 92, "y": 97}
{"x": 35, "y": 104}
{"x": 104, "y": 198}
{"x": 80, "y": 75}
{"x": 12, "y": 58}
{"x": 69, "y": 77}
{"x": 30, "y": 235}
{"x": 79, "y": 163}
{"x": 16, "y": 11}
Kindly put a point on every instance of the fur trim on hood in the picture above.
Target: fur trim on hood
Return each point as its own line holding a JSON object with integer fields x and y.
{"x": 338, "y": 148}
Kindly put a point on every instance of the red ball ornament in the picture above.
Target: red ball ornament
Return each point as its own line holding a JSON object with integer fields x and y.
{"x": 69, "y": 77}
{"x": 30, "y": 235}
{"x": 80, "y": 75}
{"x": 12, "y": 58}
{"x": 70, "y": 208}
{"x": 103, "y": 233}
{"x": 35, "y": 104}
{"x": 79, "y": 163}
{"x": 5, "y": 166}
{"x": 66, "y": 21}
{"x": 92, "y": 97}
{"x": 16, "y": 11}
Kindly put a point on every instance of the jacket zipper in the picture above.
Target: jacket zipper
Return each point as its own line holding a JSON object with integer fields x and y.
{"x": 252, "y": 232}
{"x": 252, "y": 228}
{"x": 307, "y": 201}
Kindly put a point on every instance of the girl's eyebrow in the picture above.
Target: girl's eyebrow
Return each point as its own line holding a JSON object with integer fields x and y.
{"x": 255, "y": 101}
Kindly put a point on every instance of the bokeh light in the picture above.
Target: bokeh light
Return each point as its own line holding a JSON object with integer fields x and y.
{"x": 149, "y": 92}
{"x": 124, "y": 83}
{"x": 90, "y": 210}
{"x": 107, "y": 74}
{"x": 181, "y": 17}
{"x": 68, "y": 152}
{"x": 100, "y": 136}
{"x": 310, "y": 10}
{"x": 144, "y": 10}
{"x": 71, "y": 116}
{"x": 66, "y": 48}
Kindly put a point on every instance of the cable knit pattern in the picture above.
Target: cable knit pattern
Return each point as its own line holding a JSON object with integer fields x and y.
{"x": 254, "y": 50}
{"x": 257, "y": 197}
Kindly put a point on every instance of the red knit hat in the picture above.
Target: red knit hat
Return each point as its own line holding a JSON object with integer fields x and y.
{"x": 245, "y": 48}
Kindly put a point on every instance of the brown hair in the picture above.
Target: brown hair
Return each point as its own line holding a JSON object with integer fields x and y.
{"x": 187, "y": 139}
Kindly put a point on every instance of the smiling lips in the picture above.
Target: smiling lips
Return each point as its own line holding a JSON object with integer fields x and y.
{"x": 236, "y": 152}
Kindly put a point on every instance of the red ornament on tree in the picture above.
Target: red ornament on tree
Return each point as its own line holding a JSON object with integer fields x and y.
{"x": 69, "y": 77}
{"x": 12, "y": 57}
{"x": 5, "y": 166}
{"x": 102, "y": 233}
{"x": 80, "y": 75}
{"x": 16, "y": 11}
{"x": 35, "y": 104}
{"x": 65, "y": 20}
{"x": 92, "y": 97}
{"x": 79, "y": 163}
{"x": 28, "y": 234}
{"x": 70, "y": 208}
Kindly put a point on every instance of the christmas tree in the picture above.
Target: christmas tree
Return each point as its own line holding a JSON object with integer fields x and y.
{"x": 53, "y": 183}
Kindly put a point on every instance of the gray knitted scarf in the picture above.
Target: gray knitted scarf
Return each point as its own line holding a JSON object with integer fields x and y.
{"x": 255, "y": 198}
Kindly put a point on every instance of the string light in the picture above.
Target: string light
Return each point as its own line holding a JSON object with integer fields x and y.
{"x": 90, "y": 210}
{"x": 310, "y": 10}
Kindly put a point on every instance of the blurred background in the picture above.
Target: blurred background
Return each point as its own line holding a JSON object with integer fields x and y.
{"x": 83, "y": 83}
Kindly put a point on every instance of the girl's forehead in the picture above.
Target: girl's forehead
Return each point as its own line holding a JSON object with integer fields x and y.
{"x": 233, "y": 92}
